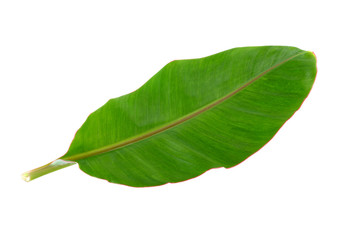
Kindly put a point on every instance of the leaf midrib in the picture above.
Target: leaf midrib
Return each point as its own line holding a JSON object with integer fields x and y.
{"x": 178, "y": 121}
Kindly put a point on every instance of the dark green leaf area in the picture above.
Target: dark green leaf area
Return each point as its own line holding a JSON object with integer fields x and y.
{"x": 194, "y": 115}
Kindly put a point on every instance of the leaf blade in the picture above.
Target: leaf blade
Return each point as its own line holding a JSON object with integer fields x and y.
{"x": 149, "y": 162}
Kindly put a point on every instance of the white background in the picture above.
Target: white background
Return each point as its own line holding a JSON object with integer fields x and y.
{"x": 61, "y": 60}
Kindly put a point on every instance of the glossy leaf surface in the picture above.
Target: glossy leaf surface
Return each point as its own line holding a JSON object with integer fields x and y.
{"x": 194, "y": 115}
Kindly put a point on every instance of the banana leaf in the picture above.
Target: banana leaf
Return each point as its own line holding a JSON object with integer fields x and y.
{"x": 192, "y": 116}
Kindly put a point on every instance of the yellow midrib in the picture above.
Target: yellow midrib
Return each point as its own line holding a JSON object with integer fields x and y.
{"x": 174, "y": 123}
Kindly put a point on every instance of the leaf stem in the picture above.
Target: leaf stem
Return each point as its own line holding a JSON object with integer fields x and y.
{"x": 45, "y": 169}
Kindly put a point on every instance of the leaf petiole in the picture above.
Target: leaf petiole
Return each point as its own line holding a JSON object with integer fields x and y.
{"x": 45, "y": 169}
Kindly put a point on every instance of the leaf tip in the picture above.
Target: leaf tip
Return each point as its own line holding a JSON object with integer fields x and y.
{"x": 315, "y": 56}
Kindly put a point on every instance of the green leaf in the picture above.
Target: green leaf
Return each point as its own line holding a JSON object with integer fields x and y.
{"x": 193, "y": 115}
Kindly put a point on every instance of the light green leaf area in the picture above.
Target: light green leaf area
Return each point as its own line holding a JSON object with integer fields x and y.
{"x": 194, "y": 115}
